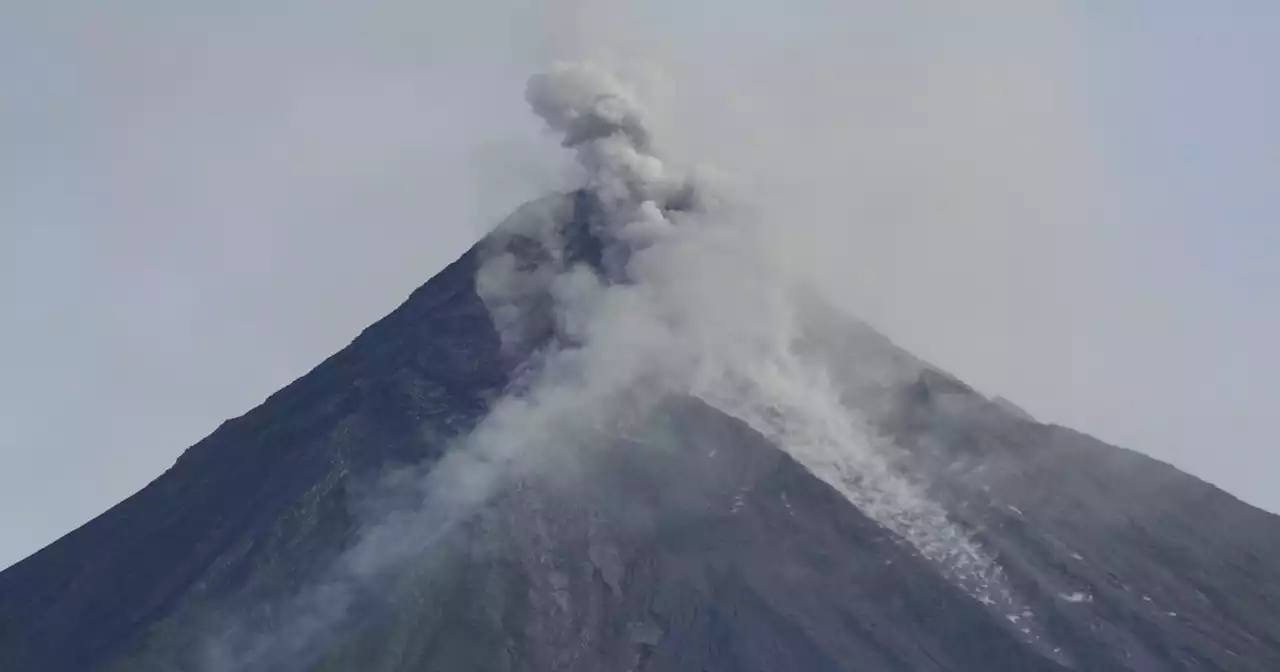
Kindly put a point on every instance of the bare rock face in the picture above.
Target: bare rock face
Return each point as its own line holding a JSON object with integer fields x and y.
{"x": 690, "y": 541}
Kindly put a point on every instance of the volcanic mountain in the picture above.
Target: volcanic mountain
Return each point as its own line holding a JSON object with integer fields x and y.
{"x": 578, "y": 448}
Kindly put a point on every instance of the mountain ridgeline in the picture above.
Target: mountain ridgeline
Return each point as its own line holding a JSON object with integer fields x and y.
{"x": 692, "y": 542}
{"x": 578, "y": 448}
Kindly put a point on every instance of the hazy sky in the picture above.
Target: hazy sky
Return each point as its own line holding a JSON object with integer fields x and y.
{"x": 1073, "y": 205}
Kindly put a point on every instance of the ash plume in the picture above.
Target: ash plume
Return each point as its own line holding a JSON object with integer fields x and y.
{"x": 668, "y": 292}
{"x": 692, "y": 294}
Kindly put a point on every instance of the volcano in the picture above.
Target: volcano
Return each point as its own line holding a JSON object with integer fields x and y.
{"x": 506, "y": 473}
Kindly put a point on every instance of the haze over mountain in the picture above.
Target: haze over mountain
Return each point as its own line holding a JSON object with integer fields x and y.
{"x": 620, "y": 433}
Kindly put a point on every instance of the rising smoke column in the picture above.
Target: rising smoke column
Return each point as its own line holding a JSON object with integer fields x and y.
{"x": 638, "y": 200}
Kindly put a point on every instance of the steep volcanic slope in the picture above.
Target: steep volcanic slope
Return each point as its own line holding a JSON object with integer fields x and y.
{"x": 1121, "y": 557}
{"x": 263, "y": 500}
{"x": 693, "y": 545}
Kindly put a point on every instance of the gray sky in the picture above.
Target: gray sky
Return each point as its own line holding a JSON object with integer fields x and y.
{"x": 1070, "y": 204}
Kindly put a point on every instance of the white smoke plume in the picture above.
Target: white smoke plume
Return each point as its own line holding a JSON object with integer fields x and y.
{"x": 703, "y": 297}
{"x": 685, "y": 301}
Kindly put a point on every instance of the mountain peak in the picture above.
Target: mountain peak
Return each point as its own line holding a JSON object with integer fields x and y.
{"x": 613, "y": 436}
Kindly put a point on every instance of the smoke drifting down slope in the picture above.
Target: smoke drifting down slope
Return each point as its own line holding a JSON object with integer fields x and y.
{"x": 691, "y": 293}
{"x": 678, "y": 297}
